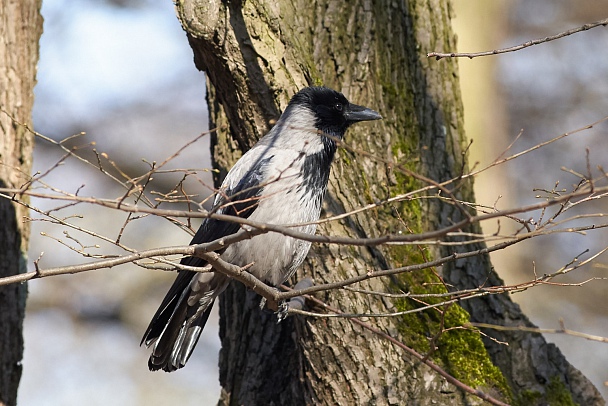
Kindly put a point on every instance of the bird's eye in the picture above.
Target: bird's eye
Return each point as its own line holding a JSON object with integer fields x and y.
{"x": 338, "y": 107}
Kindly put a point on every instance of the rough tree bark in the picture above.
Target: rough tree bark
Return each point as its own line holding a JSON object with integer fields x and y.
{"x": 20, "y": 30}
{"x": 257, "y": 54}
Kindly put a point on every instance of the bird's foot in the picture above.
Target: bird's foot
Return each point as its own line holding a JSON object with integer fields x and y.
{"x": 297, "y": 302}
{"x": 283, "y": 312}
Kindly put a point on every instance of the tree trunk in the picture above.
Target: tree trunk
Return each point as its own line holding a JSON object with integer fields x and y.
{"x": 256, "y": 55}
{"x": 21, "y": 27}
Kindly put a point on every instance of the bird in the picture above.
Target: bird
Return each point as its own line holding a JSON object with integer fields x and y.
{"x": 281, "y": 180}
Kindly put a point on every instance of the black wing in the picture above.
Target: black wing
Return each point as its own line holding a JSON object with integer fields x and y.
{"x": 240, "y": 201}
{"x": 173, "y": 312}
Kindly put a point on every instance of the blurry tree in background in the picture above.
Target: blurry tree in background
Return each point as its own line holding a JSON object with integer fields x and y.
{"x": 551, "y": 89}
{"x": 544, "y": 90}
{"x": 20, "y": 30}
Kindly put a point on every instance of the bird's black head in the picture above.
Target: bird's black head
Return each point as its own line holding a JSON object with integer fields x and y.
{"x": 332, "y": 111}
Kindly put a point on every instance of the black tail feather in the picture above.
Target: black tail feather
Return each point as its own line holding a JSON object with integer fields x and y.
{"x": 179, "y": 321}
{"x": 164, "y": 345}
{"x": 178, "y": 340}
{"x": 168, "y": 307}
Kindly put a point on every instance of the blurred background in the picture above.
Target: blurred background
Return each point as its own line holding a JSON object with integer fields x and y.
{"x": 122, "y": 71}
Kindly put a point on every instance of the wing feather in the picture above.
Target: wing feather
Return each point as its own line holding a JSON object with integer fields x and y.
{"x": 176, "y": 326}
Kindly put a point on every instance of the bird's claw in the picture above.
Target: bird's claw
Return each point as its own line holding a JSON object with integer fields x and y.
{"x": 297, "y": 302}
{"x": 283, "y": 312}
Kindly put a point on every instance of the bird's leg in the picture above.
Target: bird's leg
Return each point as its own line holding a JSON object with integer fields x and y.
{"x": 297, "y": 302}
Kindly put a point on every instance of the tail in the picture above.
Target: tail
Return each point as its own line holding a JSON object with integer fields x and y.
{"x": 179, "y": 321}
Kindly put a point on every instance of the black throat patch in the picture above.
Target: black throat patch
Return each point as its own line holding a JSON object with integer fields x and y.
{"x": 315, "y": 171}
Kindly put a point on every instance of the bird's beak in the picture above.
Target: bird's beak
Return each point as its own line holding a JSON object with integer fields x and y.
{"x": 356, "y": 113}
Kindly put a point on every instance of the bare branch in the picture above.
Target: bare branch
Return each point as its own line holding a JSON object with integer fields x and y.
{"x": 440, "y": 55}
{"x": 561, "y": 330}
{"x": 289, "y": 231}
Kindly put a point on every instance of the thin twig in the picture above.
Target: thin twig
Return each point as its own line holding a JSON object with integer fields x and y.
{"x": 561, "y": 330}
{"x": 440, "y": 55}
